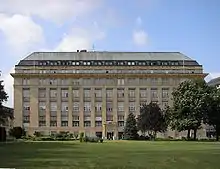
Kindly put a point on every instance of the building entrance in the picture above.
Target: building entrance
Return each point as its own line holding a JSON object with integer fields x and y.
{"x": 110, "y": 135}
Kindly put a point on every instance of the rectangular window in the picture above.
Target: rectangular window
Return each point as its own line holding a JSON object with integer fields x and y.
{"x": 131, "y": 93}
{"x": 109, "y": 93}
{"x": 98, "y": 107}
{"x": 87, "y": 106}
{"x": 64, "y": 82}
{"x": 87, "y": 123}
{"x": 121, "y": 81}
{"x": 98, "y": 93}
{"x": 86, "y": 93}
{"x": 53, "y": 106}
{"x": 154, "y": 81}
{"x": 42, "y": 106}
{"x": 109, "y": 106}
{"x": 164, "y": 104}
{"x": 75, "y": 123}
{"x": 42, "y": 93}
{"x": 53, "y": 93}
{"x": 26, "y": 106}
{"x": 109, "y": 118}
{"x": 121, "y": 106}
{"x": 131, "y": 81}
{"x": 143, "y": 93}
{"x": 76, "y": 82}
{"x": 64, "y": 93}
{"x": 64, "y": 106}
{"x": 53, "y": 81}
{"x": 76, "y": 107}
{"x": 120, "y": 93}
{"x": 131, "y": 106}
{"x": 165, "y": 93}
{"x": 64, "y": 123}
{"x": 42, "y": 81}
{"x": 165, "y": 81}
{"x": 75, "y": 118}
{"x": 120, "y": 124}
{"x": 120, "y": 118}
{"x": 98, "y": 123}
{"x": 154, "y": 93}
{"x": 75, "y": 93}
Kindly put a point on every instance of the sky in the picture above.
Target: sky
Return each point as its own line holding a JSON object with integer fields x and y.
{"x": 188, "y": 26}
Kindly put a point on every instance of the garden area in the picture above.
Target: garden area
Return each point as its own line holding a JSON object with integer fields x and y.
{"x": 110, "y": 154}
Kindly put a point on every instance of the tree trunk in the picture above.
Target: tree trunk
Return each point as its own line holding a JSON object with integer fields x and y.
{"x": 194, "y": 134}
{"x": 188, "y": 134}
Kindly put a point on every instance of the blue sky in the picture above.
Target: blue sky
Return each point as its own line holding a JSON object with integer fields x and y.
{"x": 190, "y": 26}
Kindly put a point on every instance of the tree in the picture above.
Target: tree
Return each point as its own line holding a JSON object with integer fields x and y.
{"x": 3, "y": 98}
{"x": 17, "y": 132}
{"x": 190, "y": 103}
{"x": 151, "y": 119}
{"x": 213, "y": 113}
{"x": 130, "y": 130}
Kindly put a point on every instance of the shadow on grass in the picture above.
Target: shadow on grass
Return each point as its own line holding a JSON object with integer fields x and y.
{"x": 37, "y": 154}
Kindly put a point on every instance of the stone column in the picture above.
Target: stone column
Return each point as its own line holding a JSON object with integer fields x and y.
{"x": 137, "y": 101}
{"x": 126, "y": 103}
{"x": 104, "y": 112}
{"x": 115, "y": 113}
{"x": 92, "y": 117}
{"x": 58, "y": 107}
{"x": 34, "y": 107}
{"x": 47, "y": 107}
{"x": 81, "y": 110}
{"x": 70, "y": 107}
{"x": 18, "y": 106}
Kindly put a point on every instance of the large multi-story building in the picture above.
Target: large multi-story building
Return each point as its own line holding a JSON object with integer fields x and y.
{"x": 93, "y": 92}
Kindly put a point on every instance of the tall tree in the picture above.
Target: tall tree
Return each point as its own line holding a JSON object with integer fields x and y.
{"x": 3, "y": 98}
{"x": 190, "y": 102}
{"x": 213, "y": 113}
{"x": 130, "y": 130}
{"x": 151, "y": 119}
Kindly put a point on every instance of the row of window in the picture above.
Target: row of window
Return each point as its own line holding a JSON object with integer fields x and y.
{"x": 106, "y": 81}
{"x": 87, "y": 93}
{"x": 110, "y": 71}
{"x": 76, "y": 123}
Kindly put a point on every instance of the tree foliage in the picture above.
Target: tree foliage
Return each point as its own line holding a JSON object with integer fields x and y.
{"x": 213, "y": 113}
{"x": 130, "y": 130}
{"x": 190, "y": 103}
{"x": 3, "y": 98}
{"x": 151, "y": 119}
{"x": 17, "y": 132}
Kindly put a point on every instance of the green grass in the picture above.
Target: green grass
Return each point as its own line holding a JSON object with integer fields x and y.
{"x": 111, "y": 155}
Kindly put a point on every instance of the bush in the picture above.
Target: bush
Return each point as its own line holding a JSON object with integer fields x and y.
{"x": 37, "y": 134}
{"x": 17, "y": 132}
{"x": 2, "y": 134}
{"x": 101, "y": 140}
{"x": 81, "y": 137}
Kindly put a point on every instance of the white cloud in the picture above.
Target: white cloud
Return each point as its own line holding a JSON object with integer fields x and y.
{"x": 58, "y": 11}
{"x": 140, "y": 37}
{"x": 21, "y": 32}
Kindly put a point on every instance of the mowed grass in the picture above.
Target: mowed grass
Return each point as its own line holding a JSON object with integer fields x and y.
{"x": 111, "y": 155}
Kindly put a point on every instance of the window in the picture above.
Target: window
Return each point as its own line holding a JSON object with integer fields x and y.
{"x": 75, "y": 93}
{"x": 64, "y": 123}
{"x": 86, "y": 93}
{"x": 120, "y": 124}
{"x": 109, "y": 106}
{"x": 26, "y": 81}
{"x": 121, "y": 81}
{"x": 131, "y": 106}
{"x": 64, "y": 93}
{"x": 75, "y": 124}
{"x": 76, "y": 107}
{"x": 26, "y": 106}
{"x": 75, "y": 82}
{"x": 98, "y": 123}
{"x": 131, "y": 93}
{"x": 120, "y": 118}
{"x": 87, "y": 106}
{"x": 109, "y": 118}
{"x": 120, "y": 93}
{"x": 53, "y": 123}
{"x": 53, "y": 93}
{"x": 42, "y": 81}
{"x": 109, "y": 93}
{"x": 143, "y": 93}
{"x": 42, "y": 93}
{"x": 131, "y": 81}
{"x": 165, "y": 93}
{"x": 26, "y": 93}
{"x": 53, "y": 106}
{"x": 75, "y": 118}
{"x": 87, "y": 123}
{"x": 154, "y": 93}
{"x": 42, "y": 123}
{"x": 53, "y": 82}
{"x": 64, "y": 106}
{"x": 98, "y": 107}
{"x": 121, "y": 106}
{"x": 42, "y": 105}
{"x": 98, "y": 93}
{"x": 164, "y": 104}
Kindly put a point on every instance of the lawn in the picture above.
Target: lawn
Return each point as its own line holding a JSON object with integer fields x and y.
{"x": 111, "y": 155}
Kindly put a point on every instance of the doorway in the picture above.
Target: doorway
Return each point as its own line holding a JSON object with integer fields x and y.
{"x": 110, "y": 135}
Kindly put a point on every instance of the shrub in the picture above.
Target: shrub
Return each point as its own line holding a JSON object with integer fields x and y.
{"x": 81, "y": 137}
{"x": 17, "y": 132}
{"x": 37, "y": 134}
{"x": 2, "y": 134}
{"x": 101, "y": 140}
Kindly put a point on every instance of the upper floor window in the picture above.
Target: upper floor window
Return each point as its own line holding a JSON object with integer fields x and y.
{"x": 26, "y": 81}
{"x": 26, "y": 92}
